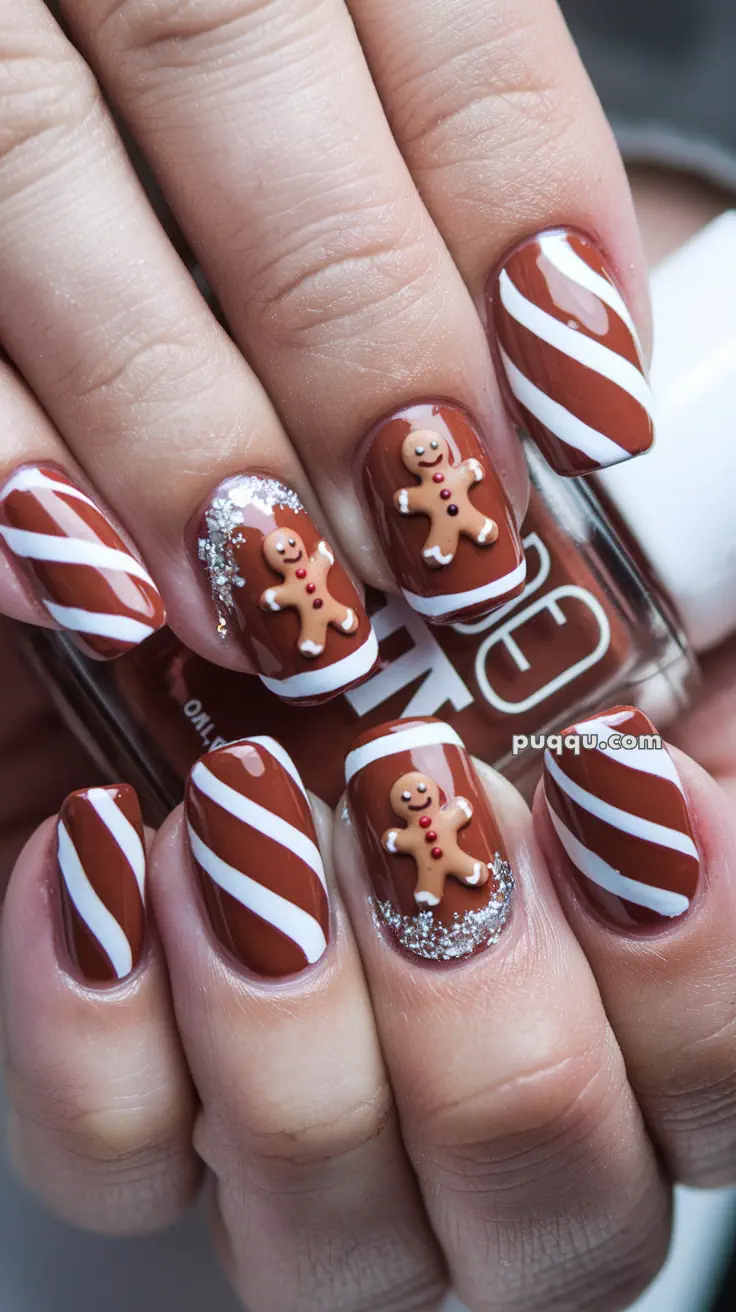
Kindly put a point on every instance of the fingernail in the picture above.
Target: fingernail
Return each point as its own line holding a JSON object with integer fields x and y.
{"x": 569, "y": 352}
{"x": 252, "y": 839}
{"x": 102, "y": 867}
{"x": 80, "y": 567}
{"x": 620, "y": 814}
{"x": 441, "y": 882}
{"x": 277, "y": 585}
{"x": 441, "y": 512}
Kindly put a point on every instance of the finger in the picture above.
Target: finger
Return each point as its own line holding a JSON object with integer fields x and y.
{"x": 64, "y": 562}
{"x": 142, "y": 383}
{"x": 316, "y": 1202}
{"x": 102, "y": 1102}
{"x": 506, "y": 140}
{"x": 512, "y": 1091}
{"x": 333, "y": 278}
{"x": 643, "y": 847}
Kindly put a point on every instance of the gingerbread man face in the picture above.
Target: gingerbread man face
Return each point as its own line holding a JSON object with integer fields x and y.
{"x": 425, "y": 453}
{"x": 283, "y": 549}
{"x": 412, "y": 795}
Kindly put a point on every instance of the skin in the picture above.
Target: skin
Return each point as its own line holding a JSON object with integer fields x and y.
{"x": 563, "y": 1090}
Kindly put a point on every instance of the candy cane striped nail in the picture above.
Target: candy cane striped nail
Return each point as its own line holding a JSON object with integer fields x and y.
{"x": 619, "y": 812}
{"x": 252, "y": 838}
{"x": 570, "y": 354}
{"x": 87, "y": 578}
{"x": 102, "y": 866}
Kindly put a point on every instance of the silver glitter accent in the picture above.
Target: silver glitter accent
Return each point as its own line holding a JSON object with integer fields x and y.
{"x": 224, "y": 522}
{"x": 427, "y": 937}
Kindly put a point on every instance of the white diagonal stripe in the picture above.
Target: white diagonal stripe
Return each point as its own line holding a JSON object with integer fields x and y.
{"x": 122, "y": 831}
{"x": 281, "y": 755}
{"x": 100, "y": 624}
{"x": 594, "y": 355}
{"x": 625, "y": 821}
{"x": 449, "y": 602}
{"x": 29, "y": 480}
{"x": 100, "y": 922}
{"x": 605, "y": 876}
{"x": 557, "y": 249}
{"x": 562, "y": 422}
{"x": 296, "y": 924}
{"x": 649, "y": 760}
{"x": 258, "y": 817}
{"x": 331, "y": 678}
{"x": 72, "y": 551}
{"x": 403, "y": 740}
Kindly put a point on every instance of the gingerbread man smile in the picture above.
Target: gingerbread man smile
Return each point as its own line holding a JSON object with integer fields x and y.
{"x": 443, "y": 496}
{"x": 431, "y": 838}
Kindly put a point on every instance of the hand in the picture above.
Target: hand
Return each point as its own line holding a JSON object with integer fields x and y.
{"x": 351, "y": 182}
{"x": 374, "y": 1125}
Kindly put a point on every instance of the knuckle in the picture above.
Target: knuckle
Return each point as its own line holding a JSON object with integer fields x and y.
{"x": 175, "y": 33}
{"x": 365, "y": 266}
{"x": 47, "y": 95}
{"x": 694, "y": 1110}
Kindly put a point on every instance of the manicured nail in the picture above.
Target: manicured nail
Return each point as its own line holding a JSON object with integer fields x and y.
{"x": 441, "y": 512}
{"x": 78, "y": 564}
{"x": 277, "y": 585}
{"x": 570, "y": 354}
{"x": 253, "y": 841}
{"x": 102, "y": 865}
{"x": 441, "y": 882}
{"x": 619, "y": 811}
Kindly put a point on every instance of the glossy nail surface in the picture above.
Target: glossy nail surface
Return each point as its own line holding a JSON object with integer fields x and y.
{"x": 432, "y": 848}
{"x": 252, "y": 838}
{"x": 443, "y": 517}
{"x": 77, "y": 562}
{"x": 102, "y": 867}
{"x": 277, "y": 584}
{"x": 620, "y": 815}
{"x": 569, "y": 352}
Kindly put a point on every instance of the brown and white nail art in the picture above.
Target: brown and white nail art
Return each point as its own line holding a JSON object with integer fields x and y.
{"x": 84, "y": 573}
{"x": 442, "y": 884}
{"x": 252, "y": 838}
{"x": 441, "y": 512}
{"x": 570, "y": 354}
{"x": 102, "y": 867}
{"x": 278, "y": 587}
{"x": 619, "y": 812}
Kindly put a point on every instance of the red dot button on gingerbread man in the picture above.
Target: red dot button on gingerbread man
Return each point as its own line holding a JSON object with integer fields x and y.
{"x": 430, "y": 837}
{"x": 305, "y": 589}
{"x": 442, "y": 495}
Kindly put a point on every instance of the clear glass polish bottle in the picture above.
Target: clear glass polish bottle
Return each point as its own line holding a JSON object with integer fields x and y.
{"x": 627, "y": 576}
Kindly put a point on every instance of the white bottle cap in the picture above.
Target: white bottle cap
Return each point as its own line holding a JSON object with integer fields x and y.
{"x": 680, "y": 498}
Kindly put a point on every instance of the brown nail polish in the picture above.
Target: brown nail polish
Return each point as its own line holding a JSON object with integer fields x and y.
{"x": 569, "y": 352}
{"x": 432, "y": 848}
{"x": 619, "y": 811}
{"x": 102, "y": 867}
{"x": 252, "y": 838}
{"x": 276, "y": 581}
{"x": 441, "y": 512}
{"x": 85, "y": 575}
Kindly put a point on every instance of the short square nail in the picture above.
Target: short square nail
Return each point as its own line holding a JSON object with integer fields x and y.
{"x": 441, "y": 881}
{"x": 441, "y": 512}
{"x": 77, "y": 563}
{"x": 569, "y": 354}
{"x": 279, "y": 588}
{"x": 252, "y": 838}
{"x": 620, "y": 815}
{"x": 102, "y": 868}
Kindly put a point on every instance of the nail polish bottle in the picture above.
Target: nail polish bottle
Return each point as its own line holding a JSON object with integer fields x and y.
{"x": 627, "y": 575}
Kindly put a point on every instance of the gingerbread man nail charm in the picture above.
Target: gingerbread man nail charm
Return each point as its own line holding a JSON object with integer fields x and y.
{"x": 305, "y": 588}
{"x": 442, "y": 494}
{"x": 430, "y": 837}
